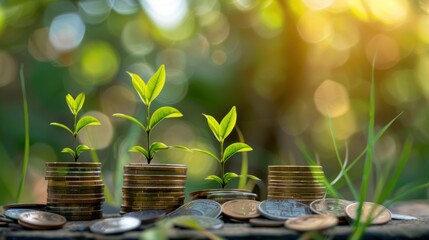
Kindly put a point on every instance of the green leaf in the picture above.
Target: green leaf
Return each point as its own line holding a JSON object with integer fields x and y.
{"x": 155, "y": 147}
{"x": 228, "y": 123}
{"x": 254, "y": 177}
{"x": 86, "y": 121}
{"x": 80, "y": 99}
{"x": 82, "y": 148}
{"x": 71, "y": 103}
{"x": 61, "y": 126}
{"x": 214, "y": 126}
{"x": 163, "y": 113}
{"x": 141, "y": 150}
{"x": 235, "y": 148}
{"x": 215, "y": 178}
{"x": 206, "y": 153}
{"x": 139, "y": 86}
{"x": 69, "y": 151}
{"x": 155, "y": 84}
{"x": 228, "y": 176}
{"x": 132, "y": 119}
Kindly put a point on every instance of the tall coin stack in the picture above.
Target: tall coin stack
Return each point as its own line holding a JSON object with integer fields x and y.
{"x": 300, "y": 183}
{"x": 153, "y": 187}
{"x": 75, "y": 190}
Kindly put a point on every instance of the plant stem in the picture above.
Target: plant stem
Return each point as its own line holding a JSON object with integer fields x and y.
{"x": 148, "y": 133}
{"x": 75, "y": 140}
{"x": 222, "y": 163}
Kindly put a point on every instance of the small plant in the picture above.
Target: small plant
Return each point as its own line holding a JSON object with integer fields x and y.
{"x": 148, "y": 93}
{"x": 75, "y": 105}
{"x": 221, "y": 131}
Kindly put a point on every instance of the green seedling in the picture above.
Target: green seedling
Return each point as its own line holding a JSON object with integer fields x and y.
{"x": 148, "y": 93}
{"x": 75, "y": 105}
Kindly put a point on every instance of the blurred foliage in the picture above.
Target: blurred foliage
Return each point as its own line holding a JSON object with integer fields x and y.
{"x": 284, "y": 64}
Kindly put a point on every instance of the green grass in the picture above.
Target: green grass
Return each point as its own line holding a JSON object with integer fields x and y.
{"x": 27, "y": 137}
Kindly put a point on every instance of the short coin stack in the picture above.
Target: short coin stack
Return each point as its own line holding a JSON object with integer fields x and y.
{"x": 300, "y": 183}
{"x": 75, "y": 190}
{"x": 153, "y": 187}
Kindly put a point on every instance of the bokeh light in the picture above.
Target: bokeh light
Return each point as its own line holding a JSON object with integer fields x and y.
{"x": 66, "y": 31}
{"x": 331, "y": 99}
{"x": 8, "y": 69}
{"x": 98, "y": 137}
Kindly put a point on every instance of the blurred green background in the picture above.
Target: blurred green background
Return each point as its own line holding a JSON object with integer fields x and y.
{"x": 284, "y": 64}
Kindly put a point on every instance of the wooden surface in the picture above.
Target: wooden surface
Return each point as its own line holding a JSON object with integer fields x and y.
{"x": 395, "y": 229}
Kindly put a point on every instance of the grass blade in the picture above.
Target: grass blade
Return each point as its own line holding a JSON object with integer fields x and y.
{"x": 244, "y": 163}
{"x": 27, "y": 136}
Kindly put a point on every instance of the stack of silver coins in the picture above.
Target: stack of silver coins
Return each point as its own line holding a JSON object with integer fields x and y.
{"x": 153, "y": 187}
{"x": 75, "y": 190}
{"x": 300, "y": 183}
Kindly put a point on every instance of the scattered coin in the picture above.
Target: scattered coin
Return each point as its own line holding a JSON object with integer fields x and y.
{"x": 311, "y": 223}
{"x": 397, "y": 216}
{"x": 372, "y": 212}
{"x": 283, "y": 209}
{"x": 330, "y": 206}
{"x": 200, "y": 221}
{"x": 41, "y": 220}
{"x": 241, "y": 209}
{"x": 263, "y": 222}
{"x": 115, "y": 225}
{"x": 3, "y": 224}
{"x": 147, "y": 216}
{"x": 208, "y": 207}
{"x": 6, "y": 220}
{"x": 35, "y": 206}
{"x": 14, "y": 213}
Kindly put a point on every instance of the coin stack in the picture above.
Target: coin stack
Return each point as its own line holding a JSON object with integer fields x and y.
{"x": 301, "y": 183}
{"x": 228, "y": 195}
{"x": 153, "y": 187}
{"x": 75, "y": 190}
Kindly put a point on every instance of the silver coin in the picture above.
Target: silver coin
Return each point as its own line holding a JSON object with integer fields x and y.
{"x": 397, "y": 216}
{"x": 115, "y": 225}
{"x": 14, "y": 213}
{"x": 283, "y": 209}
{"x": 207, "y": 207}
{"x": 330, "y": 206}
{"x": 147, "y": 216}
{"x": 201, "y": 221}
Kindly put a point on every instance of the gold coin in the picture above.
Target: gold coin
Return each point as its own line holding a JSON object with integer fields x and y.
{"x": 74, "y": 205}
{"x": 75, "y": 183}
{"x": 371, "y": 212}
{"x": 153, "y": 189}
{"x": 84, "y": 218}
{"x": 72, "y": 178}
{"x": 202, "y": 194}
{"x": 74, "y": 196}
{"x": 316, "y": 179}
{"x": 155, "y": 169}
{"x": 127, "y": 209}
{"x": 154, "y": 182}
{"x": 73, "y": 164}
{"x": 152, "y": 194}
{"x": 330, "y": 206}
{"x": 73, "y": 173}
{"x": 73, "y": 169}
{"x": 79, "y": 213}
{"x": 311, "y": 223}
{"x": 76, "y": 200}
{"x": 152, "y": 203}
{"x": 241, "y": 209}
{"x": 159, "y": 198}
{"x": 296, "y": 190}
{"x": 297, "y": 195}
{"x": 41, "y": 220}
{"x": 294, "y": 168}
{"x": 298, "y": 184}
{"x": 74, "y": 209}
{"x": 297, "y": 173}
{"x": 153, "y": 177}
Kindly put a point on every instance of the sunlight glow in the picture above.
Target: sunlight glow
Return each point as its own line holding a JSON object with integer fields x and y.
{"x": 166, "y": 14}
{"x": 66, "y": 31}
{"x": 331, "y": 98}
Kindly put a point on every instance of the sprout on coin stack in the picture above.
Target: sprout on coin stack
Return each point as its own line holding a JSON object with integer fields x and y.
{"x": 75, "y": 189}
{"x": 152, "y": 186}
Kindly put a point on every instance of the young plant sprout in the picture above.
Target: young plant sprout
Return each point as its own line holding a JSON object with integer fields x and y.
{"x": 75, "y": 105}
{"x": 221, "y": 131}
{"x": 148, "y": 93}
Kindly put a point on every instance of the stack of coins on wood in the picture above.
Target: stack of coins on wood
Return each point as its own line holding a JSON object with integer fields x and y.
{"x": 301, "y": 183}
{"x": 75, "y": 190}
{"x": 153, "y": 187}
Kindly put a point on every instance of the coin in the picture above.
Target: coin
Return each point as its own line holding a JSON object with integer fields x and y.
{"x": 154, "y": 189}
{"x": 73, "y": 196}
{"x": 397, "y": 216}
{"x": 151, "y": 203}
{"x": 208, "y": 207}
{"x": 35, "y": 206}
{"x": 309, "y": 174}
{"x": 311, "y": 223}
{"x": 72, "y": 173}
{"x": 115, "y": 225}
{"x": 263, "y": 222}
{"x": 140, "y": 194}
{"x": 76, "y": 200}
{"x": 372, "y": 212}
{"x": 127, "y": 209}
{"x": 73, "y": 169}
{"x": 153, "y": 183}
{"x": 241, "y": 209}
{"x": 155, "y": 169}
{"x": 14, "y": 213}
{"x": 330, "y": 206}
{"x": 202, "y": 194}
{"x": 297, "y": 190}
{"x": 294, "y": 168}
{"x": 190, "y": 221}
{"x": 41, "y": 220}
{"x": 74, "y": 183}
{"x": 282, "y": 209}
{"x": 83, "y": 208}
{"x": 147, "y": 216}
{"x": 134, "y": 177}
{"x": 72, "y": 178}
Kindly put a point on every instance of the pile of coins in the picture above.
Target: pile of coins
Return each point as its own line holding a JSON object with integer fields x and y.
{"x": 301, "y": 183}
{"x": 153, "y": 187}
{"x": 75, "y": 190}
